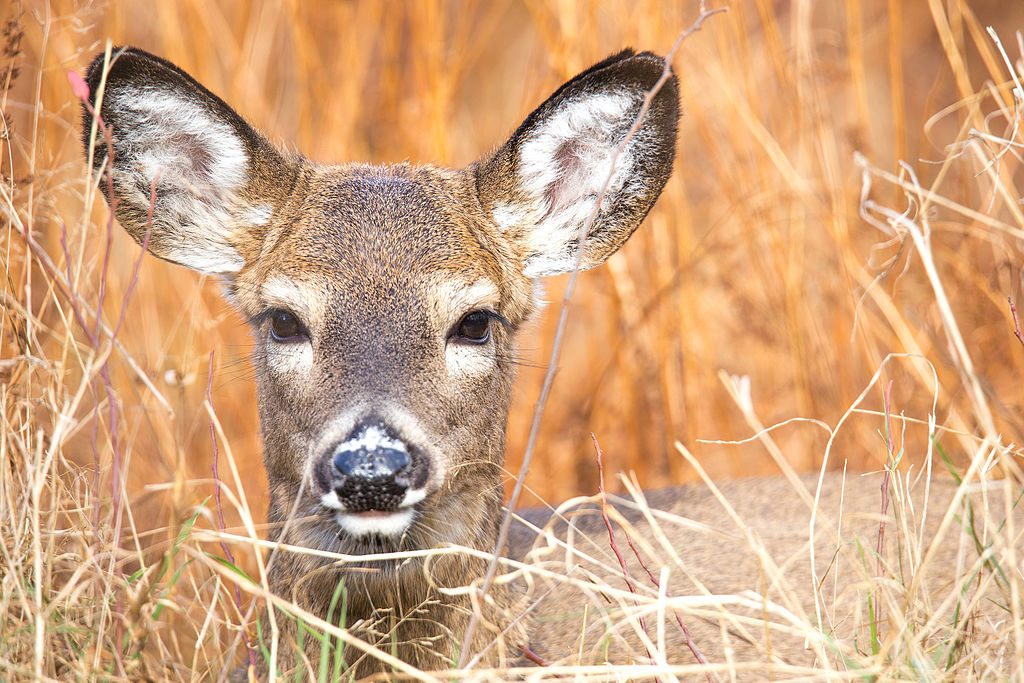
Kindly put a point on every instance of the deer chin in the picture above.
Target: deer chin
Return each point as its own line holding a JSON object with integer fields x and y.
{"x": 392, "y": 523}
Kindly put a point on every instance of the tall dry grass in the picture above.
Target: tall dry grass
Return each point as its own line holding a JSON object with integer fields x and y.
{"x": 762, "y": 259}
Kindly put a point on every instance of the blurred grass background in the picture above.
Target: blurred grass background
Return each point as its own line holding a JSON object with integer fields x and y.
{"x": 754, "y": 262}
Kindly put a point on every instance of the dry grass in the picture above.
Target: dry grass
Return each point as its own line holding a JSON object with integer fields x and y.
{"x": 775, "y": 254}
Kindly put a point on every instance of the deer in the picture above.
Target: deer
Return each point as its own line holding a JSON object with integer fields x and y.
{"x": 385, "y": 303}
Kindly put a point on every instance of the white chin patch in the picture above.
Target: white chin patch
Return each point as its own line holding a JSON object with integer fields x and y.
{"x": 393, "y": 523}
{"x": 376, "y": 522}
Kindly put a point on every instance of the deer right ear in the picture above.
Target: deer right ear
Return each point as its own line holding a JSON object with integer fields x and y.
{"x": 542, "y": 186}
{"x": 205, "y": 162}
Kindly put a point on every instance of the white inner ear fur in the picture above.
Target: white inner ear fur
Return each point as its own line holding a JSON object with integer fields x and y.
{"x": 563, "y": 164}
{"x": 201, "y": 163}
{"x": 217, "y": 158}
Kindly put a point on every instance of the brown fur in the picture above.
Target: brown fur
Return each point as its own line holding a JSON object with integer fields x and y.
{"x": 379, "y": 284}
{"x": 758, "y": 565}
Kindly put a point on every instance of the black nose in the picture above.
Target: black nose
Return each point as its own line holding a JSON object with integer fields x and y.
{"x": 364, "y": 463}
{"x": 373, "y": 468}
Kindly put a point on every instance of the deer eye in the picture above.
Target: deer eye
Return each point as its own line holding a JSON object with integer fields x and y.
{"x": 475, "y": 327}
{"x": 285, "y": 327}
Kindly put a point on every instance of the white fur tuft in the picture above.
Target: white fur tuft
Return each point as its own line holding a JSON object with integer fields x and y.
{"x": 287, "y": 360}
{"x": 283, "y": 292}
{"x": 162, "y": 125}
{"x": 259, "y": 214}
{"x": 508, "y": 217}
{"x": 469, "y": 359}
{"x": 455, "y": 299}
{"x": 292, "y": 359}
{"x": 380, "y": 524}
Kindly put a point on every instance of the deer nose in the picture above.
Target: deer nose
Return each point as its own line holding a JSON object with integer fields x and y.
{"x": 374, "y": 470}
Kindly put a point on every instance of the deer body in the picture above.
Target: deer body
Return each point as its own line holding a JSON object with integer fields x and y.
{"x": 384, "y": 302}
{"x": 743, "y": 569}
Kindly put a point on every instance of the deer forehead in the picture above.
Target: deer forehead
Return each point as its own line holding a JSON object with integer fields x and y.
{"x": 378, "y": 238}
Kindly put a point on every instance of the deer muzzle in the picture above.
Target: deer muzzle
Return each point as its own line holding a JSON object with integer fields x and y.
{"x": 375, "y": 481}
{"x": 373, "y": 471}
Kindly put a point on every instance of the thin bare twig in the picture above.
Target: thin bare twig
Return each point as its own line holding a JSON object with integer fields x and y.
{"x": 536, "y": 659}
{"x": 611, "y": 535}
{"x": 886, "y": 475}
{"x": 1016, "y": 323}
{"x": 698, "y": 655}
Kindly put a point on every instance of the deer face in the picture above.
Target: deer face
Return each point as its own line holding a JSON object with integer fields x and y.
{"x": 385, "y": 316}
{"x": 384, "y": 301}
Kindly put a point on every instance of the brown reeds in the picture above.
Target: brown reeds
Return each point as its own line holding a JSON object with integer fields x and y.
{"x": 844, "y": 217}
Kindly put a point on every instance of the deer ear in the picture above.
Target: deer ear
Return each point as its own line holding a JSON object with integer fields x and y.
{"x": 543, "y": 184}
{"x": 213, "y": 174}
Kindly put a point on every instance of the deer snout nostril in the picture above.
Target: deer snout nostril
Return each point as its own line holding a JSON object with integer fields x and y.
{"x": 373, "y": 471}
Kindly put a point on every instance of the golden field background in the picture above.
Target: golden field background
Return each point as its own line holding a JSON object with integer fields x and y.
{"x": 755, "y": 262}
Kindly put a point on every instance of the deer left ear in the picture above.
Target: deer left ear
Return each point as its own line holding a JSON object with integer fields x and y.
{"x": 186, "y": 168}
{"x": 542, "y": 186}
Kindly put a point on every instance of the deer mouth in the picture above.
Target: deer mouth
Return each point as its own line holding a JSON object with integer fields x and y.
{"x": 377, "y": 523}
{"x": 391, "y": 522}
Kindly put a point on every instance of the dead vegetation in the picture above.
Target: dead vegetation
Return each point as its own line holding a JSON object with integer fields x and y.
{"x": 829, "y": 281}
